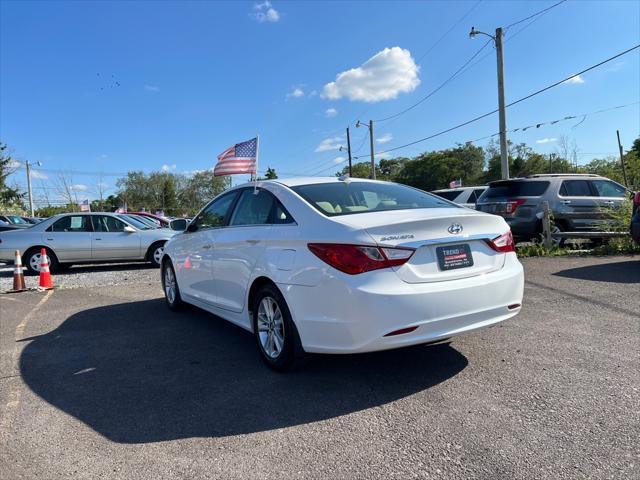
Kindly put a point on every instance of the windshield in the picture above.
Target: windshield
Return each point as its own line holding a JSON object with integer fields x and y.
{"x": 15, "y": 219}
{"x": 515, "y": 189}
{"x": 148, "y": 221}
{"x": 345, "y": 198}
{"x": 135, "y": 222}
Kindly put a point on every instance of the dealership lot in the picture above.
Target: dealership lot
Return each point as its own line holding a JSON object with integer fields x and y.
{"x": 99, "y": 380}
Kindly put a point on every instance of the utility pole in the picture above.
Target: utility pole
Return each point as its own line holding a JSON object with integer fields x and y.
{"x": 28, "y": 165}
{"x": 349, "y": 150}
{"x": 504, "y": 152}
{"x": 373, "y": 162}
{"x": 624, "y": 171}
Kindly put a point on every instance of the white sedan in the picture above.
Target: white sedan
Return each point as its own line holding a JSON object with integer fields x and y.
{"x": 330, "y": 265}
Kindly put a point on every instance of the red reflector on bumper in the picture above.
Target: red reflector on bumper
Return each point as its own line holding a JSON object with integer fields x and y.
{"x": 401, "y": 331}
{"x": 513, "y": 306}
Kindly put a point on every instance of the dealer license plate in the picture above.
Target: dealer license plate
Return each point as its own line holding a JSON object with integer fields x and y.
{"x": 454, "y": 256}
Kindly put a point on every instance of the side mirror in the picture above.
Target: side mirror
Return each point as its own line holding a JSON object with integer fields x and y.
{"x": 192, "y": 227}
{"x": 129, "y": 229}
{"x": 179, "y": 224}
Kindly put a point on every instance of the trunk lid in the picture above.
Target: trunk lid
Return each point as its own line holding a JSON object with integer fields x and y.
{"x": 427, "y": 230}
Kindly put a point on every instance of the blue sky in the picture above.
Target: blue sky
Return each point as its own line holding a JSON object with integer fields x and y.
{"x": 115, "y": 86}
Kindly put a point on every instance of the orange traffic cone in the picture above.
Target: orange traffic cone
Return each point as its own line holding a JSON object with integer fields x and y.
{"x": 18, "y": 275}
{"x": 45, "y": 276}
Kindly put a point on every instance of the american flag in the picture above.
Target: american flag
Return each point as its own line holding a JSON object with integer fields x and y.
{"x": 85, "y": 206}
{"x": 240, "y": 158}
{"x": 455, "y": 183}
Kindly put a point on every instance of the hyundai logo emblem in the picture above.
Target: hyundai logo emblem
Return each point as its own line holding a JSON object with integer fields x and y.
{"x": 455, "y": 228}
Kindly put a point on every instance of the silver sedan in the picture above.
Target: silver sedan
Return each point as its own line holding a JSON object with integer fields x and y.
{"x": 85, "y": 238}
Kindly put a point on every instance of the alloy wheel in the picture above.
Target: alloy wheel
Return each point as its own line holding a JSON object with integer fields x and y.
{"x": 270, "y": 327}
{"x": 170, "y": 284}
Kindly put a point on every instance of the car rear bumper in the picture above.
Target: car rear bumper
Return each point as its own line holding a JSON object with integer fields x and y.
{"x": 336, "y": 317}
{"x": 7, "y": 255}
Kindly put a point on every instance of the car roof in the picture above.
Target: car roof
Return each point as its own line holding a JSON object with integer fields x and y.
{"x": 459, "y": 189}
{"x": 296, "y": 181}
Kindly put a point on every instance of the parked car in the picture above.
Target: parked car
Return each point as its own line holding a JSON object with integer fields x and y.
{"x": 146, "y": 220}
{"x": 4, "y": 226}
{"x": 72, "y": 238}
{"x": 635, "y": 219}
{"x": 161, "y": 221}
{"x": 32, "y": 220}
{"x": 576, "y": 201}
{"x": 15, "y": 220}
{"x": 465, "y": 196}
{"x": 339, "y": 265}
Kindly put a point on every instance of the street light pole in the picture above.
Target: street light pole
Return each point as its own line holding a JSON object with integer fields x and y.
{"x": 28, "y": 165}
{"x": 373, "y": 162}
{"x": 504, "y": 151}
{"x": 349, "y": 149}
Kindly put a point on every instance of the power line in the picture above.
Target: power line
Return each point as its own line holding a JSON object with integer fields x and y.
{"x": 433, "y": 92}
{"x": 534, "y": 15}
{"x": 480, "y": 117}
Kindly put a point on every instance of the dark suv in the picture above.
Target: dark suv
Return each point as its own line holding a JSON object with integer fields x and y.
{"x": 576, "y": 201}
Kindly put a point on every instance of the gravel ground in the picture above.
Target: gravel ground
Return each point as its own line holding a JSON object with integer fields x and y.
{"x": 82, "y": 276}
{"x": 107, "y": 383}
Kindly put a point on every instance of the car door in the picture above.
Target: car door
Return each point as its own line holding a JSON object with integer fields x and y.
{"x": 610, "y": 193}
{"x": 193, "y": 249}
{"x": 239, "y": 245}
{"x": 578, "y": 208}
{"x": 70, "y": 238}
{"x": 111, "y": 241}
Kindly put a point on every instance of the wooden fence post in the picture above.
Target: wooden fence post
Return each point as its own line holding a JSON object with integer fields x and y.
{"x": 546, "y": 225}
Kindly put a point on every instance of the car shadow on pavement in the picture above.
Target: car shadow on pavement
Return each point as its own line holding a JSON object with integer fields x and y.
{"x": 137, "y": 373}
{"x": 615, "y": 272}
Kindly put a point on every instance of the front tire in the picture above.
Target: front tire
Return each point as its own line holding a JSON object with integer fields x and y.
{"x": 155, "y": 253}
{"x": 170, "y": 287}
{"x": 32, "y": 259}
{"x": 274, "y": 330}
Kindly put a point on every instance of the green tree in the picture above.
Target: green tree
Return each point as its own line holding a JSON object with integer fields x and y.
{"x": 271, "y": 174}
{"x": 9, "y": 197}
{"x": 199, "y": 189}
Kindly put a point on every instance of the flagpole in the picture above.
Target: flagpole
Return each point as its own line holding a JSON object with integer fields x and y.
{"x": 255, "y": 175}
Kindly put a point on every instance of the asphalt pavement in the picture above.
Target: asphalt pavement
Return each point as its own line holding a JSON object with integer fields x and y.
{"x": 99, "y": 379}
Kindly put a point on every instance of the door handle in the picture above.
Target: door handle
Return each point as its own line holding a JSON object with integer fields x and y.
{"x": 566, "y": 202}
{"x": 253, "y": 241}
{"x": 206, "y": 247}
{"x": 97, "y": 239}
{"x": 609, "y": 202}
{"x": 49, "y": 239}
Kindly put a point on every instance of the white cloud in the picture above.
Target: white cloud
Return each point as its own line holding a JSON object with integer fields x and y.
{"x": 14, "y": 164}
{"x": 328, "y": 144}
{"x": 387, "y": 137}
{"x": 264, "y": 12}
{"x": 297, "y": 92}
{"x": 338, "y": 160}
{"x": 79, "y": 187}
{"x": 382, "y": 155}
{"x": 330, "y": 112}
{"x": 313, "y": 93}
{"x": 152, "y": 88}
{"x": 39, "y": 175}
{"x": 385, "y": 75}
{"x": 547, "y": 140}
{"x": 575, "y": 80}
{"x": 168, "y": 168}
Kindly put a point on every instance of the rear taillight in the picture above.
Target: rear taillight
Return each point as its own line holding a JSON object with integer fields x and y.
{"x": 636, "y": 199}
{"x": 504, "y": 243}
{"x": 512, "y": 205}
{"x": 354, "y": 259}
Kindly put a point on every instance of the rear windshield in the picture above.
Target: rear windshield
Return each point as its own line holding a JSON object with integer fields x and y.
{"x": 515, "y": 189}
{"x": 447, "y": 195}
{"x": 345, "y": 198}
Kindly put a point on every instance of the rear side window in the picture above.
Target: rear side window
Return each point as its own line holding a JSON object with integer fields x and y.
{"x": 253, "y": 208}
{"x": 476, "y": 195}
{"x": 72, "y": 223}
{"x": 509, "y": 188}
{"x": 606, "y": 188}
{"x": 346, "y": 198}
{"x": 575, "y": 188}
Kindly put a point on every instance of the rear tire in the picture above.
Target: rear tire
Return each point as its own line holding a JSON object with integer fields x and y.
{"x": 31, "y": 261}
{"x": 274, "y": 330}
{"x": 170, "y": 287}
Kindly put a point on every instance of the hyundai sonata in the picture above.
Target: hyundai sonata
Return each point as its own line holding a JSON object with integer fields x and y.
{"x": 339, "y": 265}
